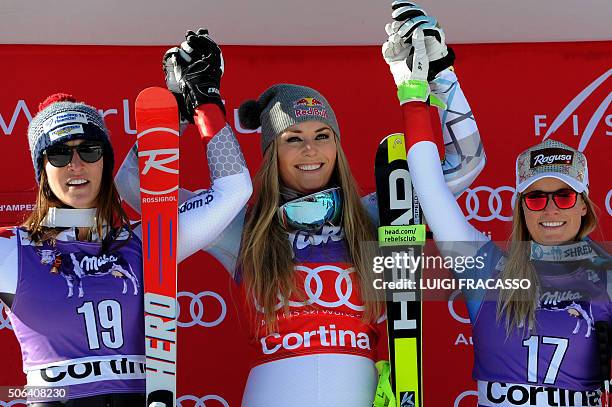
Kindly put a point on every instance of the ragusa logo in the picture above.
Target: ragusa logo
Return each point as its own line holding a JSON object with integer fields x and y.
{"x": 568, "y": 114}
{"x": 542, "y": 159}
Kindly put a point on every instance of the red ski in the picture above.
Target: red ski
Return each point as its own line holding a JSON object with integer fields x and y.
{"x": 157, "y": 123}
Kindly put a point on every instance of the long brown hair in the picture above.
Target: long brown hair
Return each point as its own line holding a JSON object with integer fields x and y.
{"x": 108, "y": 203}
{"x": 518, "y": 307}
{"x": 266, "y": 257}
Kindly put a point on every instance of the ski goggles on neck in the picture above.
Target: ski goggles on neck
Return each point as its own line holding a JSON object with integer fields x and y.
{"x": 60, "y": 155}
{"x": 537, "y": 200}
{"x": 312, "y": 212}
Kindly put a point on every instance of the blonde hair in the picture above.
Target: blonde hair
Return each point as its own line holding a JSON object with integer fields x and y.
{"x": 266, "y": 258}
{"x": 108, "y": 203}
{"x": 517, "y": 307}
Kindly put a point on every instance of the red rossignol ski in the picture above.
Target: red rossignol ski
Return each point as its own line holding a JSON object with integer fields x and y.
{"x": 157, "y": 124}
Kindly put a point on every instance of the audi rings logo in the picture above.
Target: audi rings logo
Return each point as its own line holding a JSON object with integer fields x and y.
{"x": 196, "y": 310}
{"x": 12, "y": 403}
{"x": 322, "y": 278}
{"x": 465, "y": 394}
{"x": 496, "y": 207}
{"x": 343, "y": 275}
{"x": 199, "y": 401}
{"x": 4, "y": 321}
{"x": 451, "y": 308}
{"x": 608, "y": 204}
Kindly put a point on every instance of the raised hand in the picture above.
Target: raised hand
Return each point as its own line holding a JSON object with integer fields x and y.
{"x": 407, "y": 18}
{"x": 411, "y": 81}
{"x": 194, "y": 71}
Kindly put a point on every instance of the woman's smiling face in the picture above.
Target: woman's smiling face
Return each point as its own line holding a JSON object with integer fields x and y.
{"x": 307, "y": 156}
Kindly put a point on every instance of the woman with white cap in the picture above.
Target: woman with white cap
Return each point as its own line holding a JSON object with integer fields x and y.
{"x": 533, "y": 346}
{"x": 71, "y": 274}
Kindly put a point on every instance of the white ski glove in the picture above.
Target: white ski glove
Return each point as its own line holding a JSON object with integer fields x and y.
{"x": 408, "y": 17}
{"x": 412, "y": 85}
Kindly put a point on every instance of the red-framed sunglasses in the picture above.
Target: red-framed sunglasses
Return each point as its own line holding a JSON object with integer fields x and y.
{"x": 537, "y": 200}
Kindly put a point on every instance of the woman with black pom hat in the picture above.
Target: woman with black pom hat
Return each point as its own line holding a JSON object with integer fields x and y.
{"x": 316, "y": 320}
{"x": 314, "y": 312}
{"x": 316, "y": 325}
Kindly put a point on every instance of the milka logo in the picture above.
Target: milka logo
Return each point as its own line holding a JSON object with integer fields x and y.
{"x": 572, "y": 106}
{"x": 542, "y": 159}
{"x": 556, "y": 297}
{"x": 94, "y": 262}
{"x": 75, "y": 270}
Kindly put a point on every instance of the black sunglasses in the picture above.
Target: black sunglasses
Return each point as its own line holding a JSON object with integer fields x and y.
{"x": 537, "y": 200}
{"x": 61, "y": 155}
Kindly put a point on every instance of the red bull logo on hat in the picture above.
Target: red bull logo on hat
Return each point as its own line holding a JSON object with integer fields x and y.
{"x": 309, "y": 107}
{"x": 309, "y": 102}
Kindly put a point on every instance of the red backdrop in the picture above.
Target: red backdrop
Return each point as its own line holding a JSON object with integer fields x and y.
{"x": 516, "y": 91}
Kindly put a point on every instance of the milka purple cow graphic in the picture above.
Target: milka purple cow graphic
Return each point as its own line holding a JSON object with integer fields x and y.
{"x": 74, "y": 270}
{"x": 577, "y": 309}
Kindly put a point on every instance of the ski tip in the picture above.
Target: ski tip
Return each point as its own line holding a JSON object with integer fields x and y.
{"x": 384, "y": 140}
{"x": 155, "y": 97}
{"x": 391, "y": 148}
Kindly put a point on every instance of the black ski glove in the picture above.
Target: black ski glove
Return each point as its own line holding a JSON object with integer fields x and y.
{"x": 194, "y": 71}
